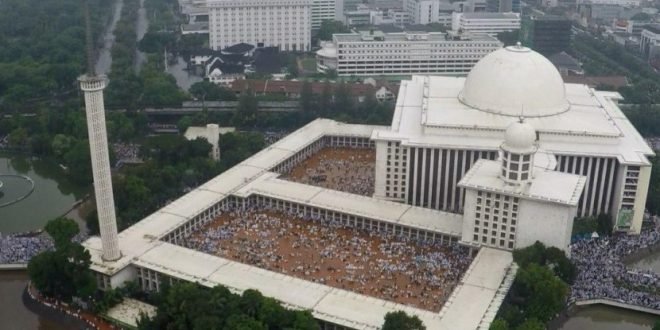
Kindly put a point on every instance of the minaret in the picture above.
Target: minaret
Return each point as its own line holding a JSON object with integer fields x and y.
{"x": 92, "y": 85}
{"x": 517, "y": 153}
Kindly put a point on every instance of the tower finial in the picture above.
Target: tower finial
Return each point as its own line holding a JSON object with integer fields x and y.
{"x": 88, "y": 40}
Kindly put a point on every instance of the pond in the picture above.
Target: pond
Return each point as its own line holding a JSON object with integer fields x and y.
{"x": 53, "y": 194}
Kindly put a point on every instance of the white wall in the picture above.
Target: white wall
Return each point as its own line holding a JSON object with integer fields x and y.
{"x": 381, "y": 169}
{"x": 469, "y": 206}
{"x": 128, "y": 274}
{"x": 549, "y": 223}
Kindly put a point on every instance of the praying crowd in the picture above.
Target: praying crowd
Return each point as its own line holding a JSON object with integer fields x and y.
{"x": 350, "y": 170}
{"x": 400, "y": 269}
{"x": 19, "y": 249}
{"x": 602, "y": 273}
{"x": 127, "y": 152}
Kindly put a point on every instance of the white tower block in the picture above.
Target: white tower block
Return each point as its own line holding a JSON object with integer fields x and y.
{"x": 98, "y": 146}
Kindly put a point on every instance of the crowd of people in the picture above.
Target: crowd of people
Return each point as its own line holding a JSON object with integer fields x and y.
{"x": 126, "y": 153}
{"x": 602, "y": 273}
{"x": 350, "y": 170}
{"x": 19, "y": 249}
{"x": 400, "y": 269}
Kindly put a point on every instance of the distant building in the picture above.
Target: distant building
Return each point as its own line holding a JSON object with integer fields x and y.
{"x": 600, "y": 82}
{"x": 546, "y": 34}
{"x": 485, "y": 23}
{"x": 503, "y": 6}
{"x": 374, "y": 53}
{"x": 210, "y": 133}
{"x": 285, "y": 24}
{"x": 221, "y": 73}
{"x": 650, "y": 42}
{"x": 323, "y": 10}
{"x": 422, "y": 11}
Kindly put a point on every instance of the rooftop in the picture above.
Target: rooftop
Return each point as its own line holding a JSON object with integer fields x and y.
{"x": 408, "y": 37}
{"x": 473, "y": 302}
{"x": 483, "y": 15}
{"x": 129, "y": 311}
{"x": 428, "y": 112}
{"x": 547, "y": 186}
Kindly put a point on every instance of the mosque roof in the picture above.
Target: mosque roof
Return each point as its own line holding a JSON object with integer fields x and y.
{"x": 515, "y": 81}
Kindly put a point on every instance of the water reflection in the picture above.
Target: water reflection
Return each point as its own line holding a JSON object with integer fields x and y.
{"x": 608, "y": 318}
{"x": 53, "y": 194}
{"x": 13, "y": 313}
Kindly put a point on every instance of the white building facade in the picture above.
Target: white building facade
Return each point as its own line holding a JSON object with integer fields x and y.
{"x": 650, "y": 42}
{"x": 485, "y": 23}
{"x": 323, "y": 10}
{"x": 280, "y": 23}
{"x": 422, "y": 11}
{"x": 442, "y": 126}
{"x": 377, "y": 53}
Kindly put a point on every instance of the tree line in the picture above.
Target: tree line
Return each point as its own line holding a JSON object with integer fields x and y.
{"x": 539, "y": 291}
{"x": 43, "y": 49}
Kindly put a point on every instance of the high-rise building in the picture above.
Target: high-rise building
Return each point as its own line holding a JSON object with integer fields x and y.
{"x": 649, "y": 44}
{"x": 547, "y": 34}
{"x": 323, "y": 10}
{"x": 93, "y": 85}
{"x": 372, "y": 53}
{"x": 503, "y": 6}
{"x": 422, "y": 11}
{"x": 280, "y": 23}
{"x": 485, "y": 23}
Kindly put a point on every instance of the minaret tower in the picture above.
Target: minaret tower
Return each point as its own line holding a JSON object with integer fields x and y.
{"x": 92, "y": 85}
{"x": 517, "y": 153}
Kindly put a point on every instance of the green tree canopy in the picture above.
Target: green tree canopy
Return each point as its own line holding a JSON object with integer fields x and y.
{"x": 63, "y": 273}
{"x": 401, "y": 321}
{"x": 329, "y": 27}
{"x": 62, "y": 230}
{"x": 191, "y": 306}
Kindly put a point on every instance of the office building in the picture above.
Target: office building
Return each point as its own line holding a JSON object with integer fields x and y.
{"x": 373, "y": 53}
{"x": 547, "y": 34}
{"x": 278, "y": 23}
{"x": 485, "y": 23}
{"x": 650, "y": 42}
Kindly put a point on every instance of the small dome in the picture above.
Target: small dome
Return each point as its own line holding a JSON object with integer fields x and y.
{"x": 515, "y": 81}
{"x": 520, "y": 137}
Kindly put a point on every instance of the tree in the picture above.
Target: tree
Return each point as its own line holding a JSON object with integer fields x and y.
{"x": 307, "y": 100}
{"x": 499, "y": 324}
{"x": 531, "y": 324}
{"x": 544, "y": 293}
{"x": 656, "y": 326}
{"x": 329, "y": 27}
{"x": 63, "y": 273}
{"x": 191, "y": 306}
{"x": 62, "y": 230}
{"x": 246, "y": 111}
{"x": 208, "y": 91}
{"x": 401, "y": 321}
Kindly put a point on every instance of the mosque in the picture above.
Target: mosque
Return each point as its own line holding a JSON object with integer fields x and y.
{"x": 493, "y": 161}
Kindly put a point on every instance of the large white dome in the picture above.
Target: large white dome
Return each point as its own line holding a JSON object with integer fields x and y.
{"x": 515, "y": 81}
